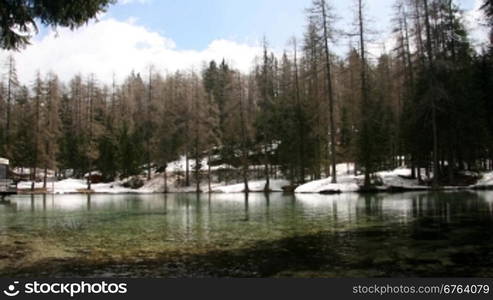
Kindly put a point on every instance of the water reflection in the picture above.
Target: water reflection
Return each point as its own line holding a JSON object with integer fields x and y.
{"x": 197, "y": 215}
{"x": 415, "y": 234}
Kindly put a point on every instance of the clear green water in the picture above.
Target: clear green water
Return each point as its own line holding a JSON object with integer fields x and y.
{"x": 349, "y": 235}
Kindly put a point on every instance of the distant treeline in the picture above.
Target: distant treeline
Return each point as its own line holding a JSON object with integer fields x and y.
{"x": 427, "y": 102}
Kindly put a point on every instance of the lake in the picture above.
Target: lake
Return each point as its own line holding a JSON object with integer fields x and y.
{"x": 184, "y": 235}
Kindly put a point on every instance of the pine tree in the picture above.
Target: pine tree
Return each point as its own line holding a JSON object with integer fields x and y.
{"x": 488, "y": 9}
{"x": 38, "y": 146}
{"x": 300, "y": 116}
{"x": 12, "y": 86}
{"x": 19, "y": 16}
{"x": 366, "y": 150}
{"x": 323, "y": 18}
{"x": 51, "y": 124}
{"x": 210, "y": 81}
{"x": 266, "y": 80}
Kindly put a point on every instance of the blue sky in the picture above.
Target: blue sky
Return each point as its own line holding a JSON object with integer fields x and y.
{"x": 193, "y": 24}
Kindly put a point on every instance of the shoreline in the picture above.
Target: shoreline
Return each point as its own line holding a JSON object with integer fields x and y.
{"x": 397, "y": 180}
{"x": 377, "y": 190}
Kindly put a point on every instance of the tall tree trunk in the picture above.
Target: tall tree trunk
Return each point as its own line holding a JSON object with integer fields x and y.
{"x": 7, "y": 126}
{"x": 432, "y": 83}
{"x": 45, "y": 177}
{"x": 148, "y": 130}
{"x": 314, "y": 94}
{"x": 197, "y": 172}
{"x": 33, "y": 178}
{"x": 12, "y": 81}
{"x": 91, "y": 135}
{"x": 165, "y": 178}
{"x": 365, "y": 97}
{"x": 209, "y": 175}
{"x": 410, "y": 88}
{"x": 187, "y": 169}
{"x": 36, "y": 128}
{"x": 419, "y": 30}
{"x": 330, "y": 95}
{"x": 267, "y": 171}
{"x": 244, "y": 149}
{"x": 413, "y": 167}
{"x": 197, "y": 143}
{"x": 267, "y": 98}
{"x": 301, "y": 132}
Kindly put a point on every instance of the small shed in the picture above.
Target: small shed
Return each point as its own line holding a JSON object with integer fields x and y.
{"x": 7, "y": 186}
{"x": 4, "y": 168}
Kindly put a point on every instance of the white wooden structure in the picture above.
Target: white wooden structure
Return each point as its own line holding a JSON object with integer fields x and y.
{"x": 6, "y": 184}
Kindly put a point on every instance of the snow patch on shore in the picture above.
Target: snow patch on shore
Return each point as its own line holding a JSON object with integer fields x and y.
{"x": 400, "y": 178}
{"x": 486, "y": 180}
{"x": 397, "y": 178}
{"x": 345, "y": 184}
{"x": 155, "y": 185}
{"x": 71, "y": 186}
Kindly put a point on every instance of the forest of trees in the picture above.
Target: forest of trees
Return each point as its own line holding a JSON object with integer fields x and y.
{"x": 426, "y": 103}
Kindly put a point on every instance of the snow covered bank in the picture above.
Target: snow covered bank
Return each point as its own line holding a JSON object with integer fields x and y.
{"x": 155, "y": 185}
{"x": 399, "y": 178}
{"x": 345, "y": 184}
{"x": 72, "y": 186}
{"x": 396, "y": 179}
{"x": 486, "y": 181}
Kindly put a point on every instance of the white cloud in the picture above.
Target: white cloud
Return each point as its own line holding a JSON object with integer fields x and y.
{"x": 112, "y": 47}
{"x": 475, "y": 23}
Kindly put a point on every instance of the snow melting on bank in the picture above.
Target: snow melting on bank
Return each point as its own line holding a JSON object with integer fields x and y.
{"x": 345, "y": 184}
{"x": 73, "y": 186}
{"x": 155, "y": 185}
{"x": 486, "y": 180}
{"x": 398, "y": 178}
